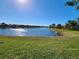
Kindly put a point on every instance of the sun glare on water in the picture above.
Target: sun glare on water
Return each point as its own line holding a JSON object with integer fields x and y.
{"x": 21, "y": 30}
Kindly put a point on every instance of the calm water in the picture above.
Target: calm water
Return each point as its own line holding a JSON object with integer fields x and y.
{"x": 27, "y": 32}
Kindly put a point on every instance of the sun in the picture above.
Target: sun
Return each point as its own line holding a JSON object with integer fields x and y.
{"x": 22, "y": 5}
{"x": 22, "y": 2}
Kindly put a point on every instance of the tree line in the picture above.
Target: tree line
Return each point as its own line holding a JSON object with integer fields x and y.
{"x": 71, "y": 25}
{"x": 4, "y": 25}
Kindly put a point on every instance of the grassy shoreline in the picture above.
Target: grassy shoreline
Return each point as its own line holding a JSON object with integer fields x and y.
{"x": 60, "y": 47}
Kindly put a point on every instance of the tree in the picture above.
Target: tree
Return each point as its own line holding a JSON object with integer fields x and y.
{"x": 3, "y": 25}
{"x": 73, "y": 3}
{"x": 59, "y": 26}
{"x": 72, "y": 24}
{"x": 52, "y": 26}
{"x": 77, "y": 20}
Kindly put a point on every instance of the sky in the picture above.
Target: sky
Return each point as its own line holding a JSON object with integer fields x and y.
{"x": 36, "y": 12}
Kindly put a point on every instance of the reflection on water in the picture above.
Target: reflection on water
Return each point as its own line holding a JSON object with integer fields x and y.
{"x": 27, "y": 32}
{"x": 20, "y": 30}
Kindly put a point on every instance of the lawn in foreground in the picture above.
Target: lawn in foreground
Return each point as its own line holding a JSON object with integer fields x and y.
{"x": 63, "y": 47}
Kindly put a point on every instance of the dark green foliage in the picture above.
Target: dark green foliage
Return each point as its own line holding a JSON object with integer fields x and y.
{"x": 73, "y": 3}
{"x": 59, "y": 26}
{"x": 77, "y": 7}
{"x": 72, "y": 24}
{"x": 56, "y": 26}
{"x": 4, "y": 25}
{"x": 52, "y": 26}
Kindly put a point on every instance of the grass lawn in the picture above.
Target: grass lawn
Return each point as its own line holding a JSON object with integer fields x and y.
{"x": 60, "y": 47}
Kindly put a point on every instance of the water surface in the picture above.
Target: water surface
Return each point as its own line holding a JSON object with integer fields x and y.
{"x": 27, "y": 32}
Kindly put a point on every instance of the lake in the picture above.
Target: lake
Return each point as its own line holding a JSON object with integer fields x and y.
{"x": 27, "y": 32}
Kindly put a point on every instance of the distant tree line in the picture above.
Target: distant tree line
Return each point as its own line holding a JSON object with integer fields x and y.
{"x": 71, "y": 25}
{"x": 4, "y": 25}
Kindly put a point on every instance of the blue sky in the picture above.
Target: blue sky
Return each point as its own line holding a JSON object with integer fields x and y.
{"x": 36, "y": 12}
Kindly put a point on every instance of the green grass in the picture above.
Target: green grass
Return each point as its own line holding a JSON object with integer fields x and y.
{"x": 61, "y": 47}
